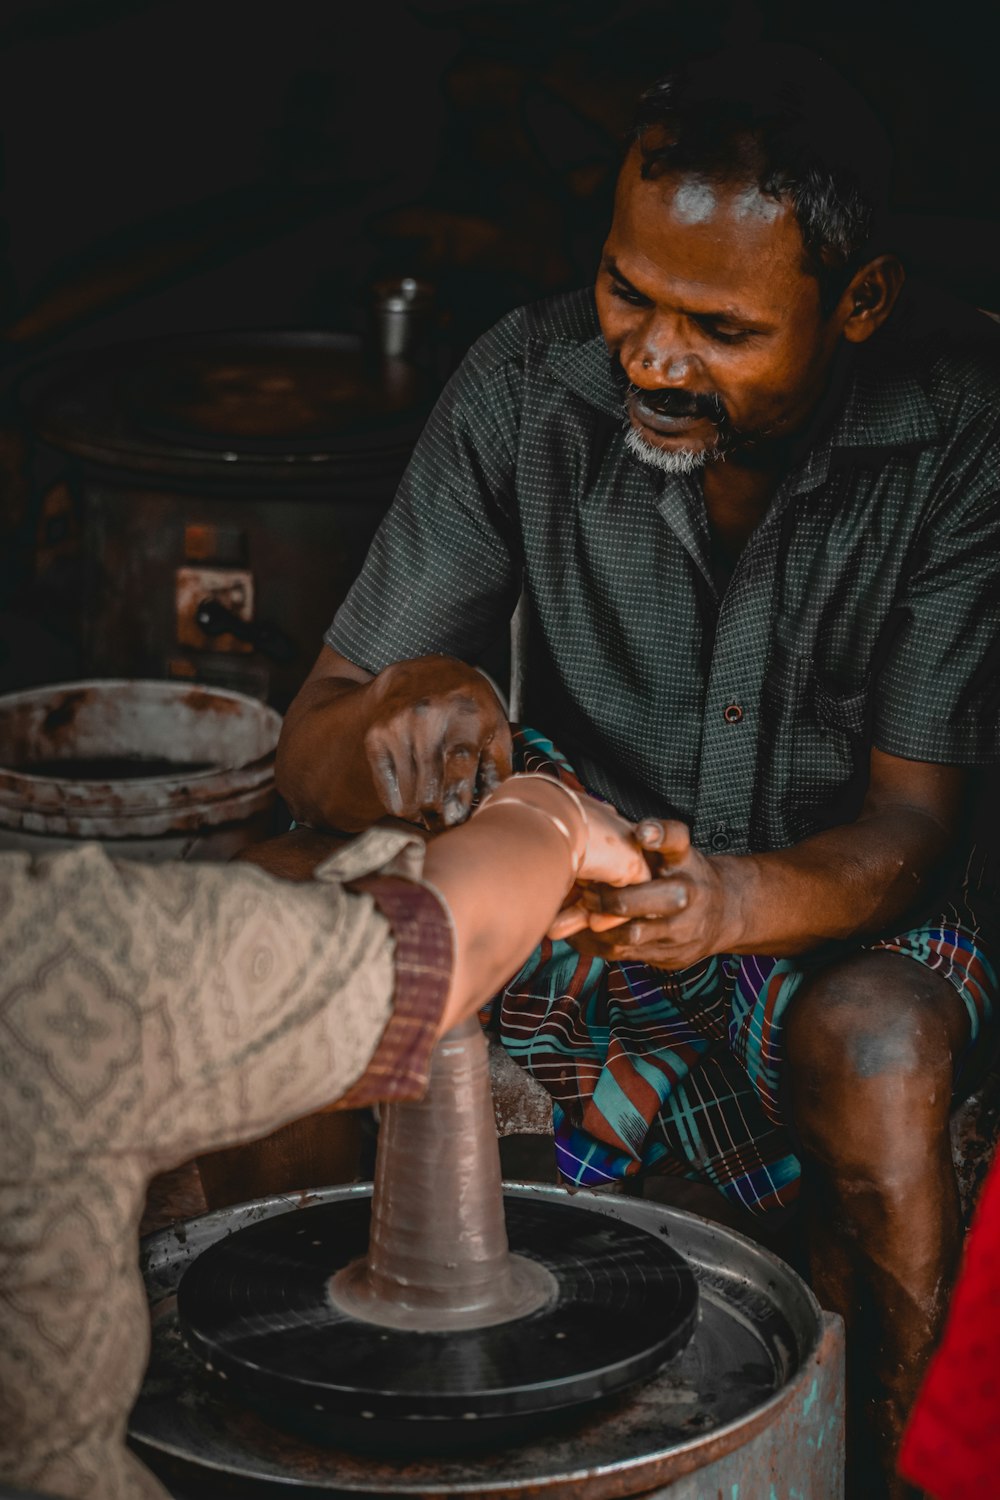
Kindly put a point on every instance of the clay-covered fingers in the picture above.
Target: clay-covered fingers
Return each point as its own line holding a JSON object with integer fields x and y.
{"x": 458, "y": 784}
{"x": 391, "y": 765}
{"x": 608, "y": 905}
{"x": 575, "y": 918}
{"x": 610, "y": 853}
{"x": 666, "y": 838}
{"x": 496, "y": 757}
{"x": 429, "y": 720}
{"x": 473, "y": 766}
{"x": 663, "y": 897}
{"x": 681, "y": 916}
{"x": 406, "y": 760}
{"x": 667, "y": 847}
{"x": 428, "y": 758}
{"x": 606, "y": 908}
{"x": 475, "y": 757}
{"x": 653, "y": 941}
{"x": 430, "y": 739}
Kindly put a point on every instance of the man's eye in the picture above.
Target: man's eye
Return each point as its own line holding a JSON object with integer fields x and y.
{"x": 726, "y": 336}
{"x": 628, "y": 294}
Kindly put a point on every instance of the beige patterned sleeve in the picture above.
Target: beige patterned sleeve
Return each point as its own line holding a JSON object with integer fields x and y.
{"x": 148, "y": 1013}
{"x": 173, "y": 1008}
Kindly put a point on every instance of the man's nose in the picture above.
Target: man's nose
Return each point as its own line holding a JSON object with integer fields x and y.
{"x": 655, "y": 364}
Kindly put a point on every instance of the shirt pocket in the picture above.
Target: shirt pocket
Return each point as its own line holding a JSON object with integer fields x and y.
{"x": 844, "y": 713}
{"x": 831, "y": 741}
{"x": 816, "y": 764}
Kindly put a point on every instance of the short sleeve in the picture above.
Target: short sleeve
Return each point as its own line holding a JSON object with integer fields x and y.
{"x": 400, "y": 1066}
{"x": 937, "y": 697}
{"x": 443, "y": 572}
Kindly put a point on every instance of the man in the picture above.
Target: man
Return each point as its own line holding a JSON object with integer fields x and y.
{"x": 151, "y": 1012}
{"x": 758, "y": 546}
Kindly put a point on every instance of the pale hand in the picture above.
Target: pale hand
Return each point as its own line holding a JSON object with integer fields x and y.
{"x": 611, "y": 855}
{"x": 671, "y": 921}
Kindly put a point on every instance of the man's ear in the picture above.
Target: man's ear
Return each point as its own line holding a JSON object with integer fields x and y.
{"x": 870, "y": 298}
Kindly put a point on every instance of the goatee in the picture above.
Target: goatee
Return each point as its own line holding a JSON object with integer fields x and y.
{"x": 677, "y": 460}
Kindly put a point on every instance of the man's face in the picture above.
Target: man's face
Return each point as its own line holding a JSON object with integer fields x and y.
{"x": 705, "y": 301}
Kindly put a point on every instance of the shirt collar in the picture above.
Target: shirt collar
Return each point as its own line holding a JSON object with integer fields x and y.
{"x": 884, "y": 408}
{"x": 587, "y": 368}
{"x": 572, "y": 348}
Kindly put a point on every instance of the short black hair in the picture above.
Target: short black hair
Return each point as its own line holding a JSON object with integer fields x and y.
{"x": 782, "y": 118}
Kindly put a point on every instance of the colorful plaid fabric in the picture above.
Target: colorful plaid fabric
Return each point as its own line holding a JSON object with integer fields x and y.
{"x": 680, "y": 1072}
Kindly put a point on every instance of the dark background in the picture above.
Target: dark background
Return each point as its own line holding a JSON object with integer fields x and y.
{"x": 173, "y": 165}
{"x": 181, "y": 164}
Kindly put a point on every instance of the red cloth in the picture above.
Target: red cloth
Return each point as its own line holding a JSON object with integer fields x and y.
{"x": 952, "y": 1445}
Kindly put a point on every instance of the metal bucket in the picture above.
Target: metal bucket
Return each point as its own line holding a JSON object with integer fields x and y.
{"x": 151, "y": 770}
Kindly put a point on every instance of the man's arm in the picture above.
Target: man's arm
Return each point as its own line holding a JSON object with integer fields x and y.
{"x": 442, "y": 576}
{"x": 416, "y": 741}
{"x": 856, "y": 879}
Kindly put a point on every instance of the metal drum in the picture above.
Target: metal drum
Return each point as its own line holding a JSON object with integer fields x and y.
{"x": 752, "y": 1410}
{"x": 229, "y": 486}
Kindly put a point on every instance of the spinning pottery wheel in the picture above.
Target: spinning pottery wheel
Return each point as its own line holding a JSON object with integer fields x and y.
{"x": 588, "y": 1361}
{"x": 420, "y": 1317}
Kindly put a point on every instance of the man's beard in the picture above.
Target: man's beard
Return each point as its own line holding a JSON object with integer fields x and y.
{"x": 676, "y": 403}
{"x": 677, "y": 461}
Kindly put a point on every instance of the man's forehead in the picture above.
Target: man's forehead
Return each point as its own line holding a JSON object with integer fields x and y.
{"x": 692, "y": 197}
{"x": 693, "y": 226}
{"x": 695, "y": 200}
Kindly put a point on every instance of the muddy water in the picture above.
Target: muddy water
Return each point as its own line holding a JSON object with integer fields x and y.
{"x": 113, "y": 768}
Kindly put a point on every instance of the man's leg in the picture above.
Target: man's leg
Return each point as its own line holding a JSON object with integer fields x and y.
{"x": 870, "y": 1049}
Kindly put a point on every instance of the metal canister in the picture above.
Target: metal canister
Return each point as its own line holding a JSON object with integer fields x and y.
{"x": 402, "y": 317}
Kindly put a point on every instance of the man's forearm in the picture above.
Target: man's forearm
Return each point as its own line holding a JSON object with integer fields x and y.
{"x": 857, "y": 879}
{"x": 322, "y": 769}
{"x": 854, "y": 880}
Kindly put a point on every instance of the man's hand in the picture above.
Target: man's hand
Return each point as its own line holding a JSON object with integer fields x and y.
{"x": 415, "y": 741}
{"x": 671, "y": 921}
{"x": 436, "y": 733}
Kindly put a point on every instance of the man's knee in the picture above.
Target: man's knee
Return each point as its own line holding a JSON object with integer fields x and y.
{"x": 870, "y": 1046}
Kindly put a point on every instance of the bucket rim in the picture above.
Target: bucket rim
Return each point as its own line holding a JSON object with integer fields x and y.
{"x": 139, "y": 806}
{"x": 165, "y": 686}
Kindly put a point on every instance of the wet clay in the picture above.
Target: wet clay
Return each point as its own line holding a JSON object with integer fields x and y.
{"x": 438, "y": 1256}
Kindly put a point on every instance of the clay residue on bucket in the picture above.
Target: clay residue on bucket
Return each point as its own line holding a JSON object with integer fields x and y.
{"x": 62, "y": 714}
{"x": 211, "y": 703}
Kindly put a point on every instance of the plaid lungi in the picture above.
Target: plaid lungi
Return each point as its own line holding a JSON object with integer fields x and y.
{"x": 680, "y": 1072}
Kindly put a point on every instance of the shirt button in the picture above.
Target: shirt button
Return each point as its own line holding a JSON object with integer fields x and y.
{"x": 733, "y": 713}
{"x": 720, "y": 839}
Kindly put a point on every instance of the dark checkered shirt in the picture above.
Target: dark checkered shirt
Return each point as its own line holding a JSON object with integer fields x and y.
{"x": 863, "y": 610}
